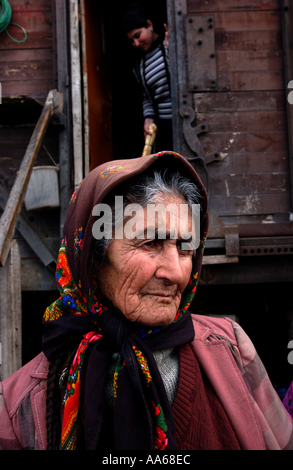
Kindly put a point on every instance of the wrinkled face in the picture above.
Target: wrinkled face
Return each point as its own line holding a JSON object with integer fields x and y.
{"x": 142, "y": 38}
{"x": 145, "y": 278}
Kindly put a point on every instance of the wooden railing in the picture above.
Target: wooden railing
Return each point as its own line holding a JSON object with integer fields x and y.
{"x": 10, "y": 276}
{"x": 53, "y": 104}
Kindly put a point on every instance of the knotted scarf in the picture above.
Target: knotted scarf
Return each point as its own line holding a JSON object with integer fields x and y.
{"x": 142, "y": 414}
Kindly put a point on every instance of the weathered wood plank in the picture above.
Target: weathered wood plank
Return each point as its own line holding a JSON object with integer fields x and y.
{"x": 38, "y": 25}
{"x": 247, "y": 20}
{"x": 27, "y": 54}
{"x": 250, "y": 60}
{"x": 246, "y": 184}
{"x": 27, "y": 252}
{"x": 85, "y": 83}
{"x": 31, "y": 5}
{"x": 239, "y": 102}
{"x": 65, "y": 135}
{"x": 31, "y": 21}
{"x": 250, "y": 204}
{"x": 35, "y": 40}
{"x": 194, "y": 6}
{"x": 267, "y": 225}
{"x": 27, "y": 87}
{"x": 248, "y": 40}
{"x": 287, "y": 26}
{"x": 35, "y": 276}
{"x": 245, "y": 142}
{"x": 253, "y": 162}
{"x": 26, "y": 70}
{"x": 76, "y": 91}
{"x": 244, "y": 121}
{"x": 251, "y": 80}
{"x": 10, "y": 313}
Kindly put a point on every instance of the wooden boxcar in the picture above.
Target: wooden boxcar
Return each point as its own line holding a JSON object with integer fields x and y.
{"x": 231, "y": 68}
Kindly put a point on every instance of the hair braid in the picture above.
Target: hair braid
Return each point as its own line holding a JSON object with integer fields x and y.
{"x": 55, "y": 384}
{"x": 53, "y": 403}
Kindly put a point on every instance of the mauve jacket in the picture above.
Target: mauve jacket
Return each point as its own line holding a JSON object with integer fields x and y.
{"x": 227, "y": 356}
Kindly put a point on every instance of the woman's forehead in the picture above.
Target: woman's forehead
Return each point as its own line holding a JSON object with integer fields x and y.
{"x": 164, "y": 220}
{"x": 133, "y": 32}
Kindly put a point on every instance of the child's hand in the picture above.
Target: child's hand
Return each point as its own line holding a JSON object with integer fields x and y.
{"x": 166, "y": 35}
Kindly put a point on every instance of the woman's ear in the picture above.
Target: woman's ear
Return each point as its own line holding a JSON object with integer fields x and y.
{"x": 150, "y": 24}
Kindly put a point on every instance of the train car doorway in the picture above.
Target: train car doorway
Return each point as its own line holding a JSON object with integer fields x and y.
{"x": 115, "y": 117}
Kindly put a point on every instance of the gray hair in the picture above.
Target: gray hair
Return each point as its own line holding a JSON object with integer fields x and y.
{"x": 159, "y": 184}
{"x": 144, "y": 190}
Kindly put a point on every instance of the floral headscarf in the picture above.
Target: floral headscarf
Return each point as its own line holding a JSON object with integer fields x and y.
{"x": 141, "y": 406}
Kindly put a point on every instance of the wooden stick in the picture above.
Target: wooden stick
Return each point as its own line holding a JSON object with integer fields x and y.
{"x": 149, "y": 141}
{"x": 17, "y": 194}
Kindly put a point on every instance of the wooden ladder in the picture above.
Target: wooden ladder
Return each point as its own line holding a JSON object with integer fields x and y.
{"x": 10, "y": 272}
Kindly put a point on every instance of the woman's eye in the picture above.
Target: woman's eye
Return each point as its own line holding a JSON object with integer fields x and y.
{"x": 151, "y": 243}
{"x": 185, "y": 248}
{"x": 154, "y": 244}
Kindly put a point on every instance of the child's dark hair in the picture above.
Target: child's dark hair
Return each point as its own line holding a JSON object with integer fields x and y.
{"x": 135, "y": 17}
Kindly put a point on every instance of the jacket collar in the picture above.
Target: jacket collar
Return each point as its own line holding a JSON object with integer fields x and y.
{"x": 206, "y": 328}
{"x": 41, "y": 369}
{"x": 201, "y": 328}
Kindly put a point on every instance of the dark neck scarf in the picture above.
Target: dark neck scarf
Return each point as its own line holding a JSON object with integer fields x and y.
{"x": 142, "y": 413}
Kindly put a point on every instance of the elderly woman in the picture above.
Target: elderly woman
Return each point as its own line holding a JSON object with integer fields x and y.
{"x": 125, "y": 365}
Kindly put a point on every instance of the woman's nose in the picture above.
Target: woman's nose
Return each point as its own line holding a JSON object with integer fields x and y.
{"x": 169, "y": 265}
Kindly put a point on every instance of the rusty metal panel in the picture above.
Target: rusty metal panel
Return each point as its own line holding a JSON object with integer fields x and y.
{"x": 201, "y": 54}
